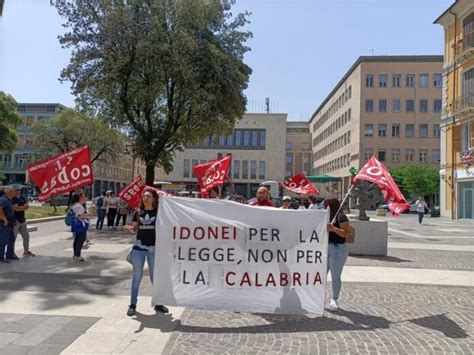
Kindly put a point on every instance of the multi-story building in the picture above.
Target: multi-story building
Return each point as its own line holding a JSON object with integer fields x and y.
{"x": 457, "y": 119}
{"x": 257, "y": 145}
{"x": 384, "y": 105}
{"x": 298, "y": 149}
{"x": 107, "y": 175}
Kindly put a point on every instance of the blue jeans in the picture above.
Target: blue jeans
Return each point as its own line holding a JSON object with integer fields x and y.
{"x": 420, "y": 216}
{"x": 100, "y": 218}
{"x": 79, "y": 239}
{"x": 337, "y": 256}
{"x": 7, "y": 241}
{"x": 138, "y": 261}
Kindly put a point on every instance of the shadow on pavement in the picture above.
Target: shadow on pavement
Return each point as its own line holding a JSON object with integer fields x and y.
{"x": 390, "y": 259}
{"x": 164, "y": 322}
{"x": 442, "y": 324}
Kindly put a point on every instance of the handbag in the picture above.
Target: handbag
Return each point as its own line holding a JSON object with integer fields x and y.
{"x": 79, "y": 226}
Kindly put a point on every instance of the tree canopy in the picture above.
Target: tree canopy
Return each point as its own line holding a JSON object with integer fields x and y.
{"x": 70, "y": 129}
{"x": 10, "y": 119}
{"x": 417, "y": 180}
{"x": 168, "y": 72}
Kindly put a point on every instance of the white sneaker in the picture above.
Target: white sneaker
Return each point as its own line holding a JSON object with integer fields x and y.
{"x": 333, "y": 305}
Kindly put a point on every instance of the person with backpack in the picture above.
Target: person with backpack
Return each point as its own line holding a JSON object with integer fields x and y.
{"x": 79, "y": 221}
{"x": 99, "y": 203}
{"x": 338, "y": 250}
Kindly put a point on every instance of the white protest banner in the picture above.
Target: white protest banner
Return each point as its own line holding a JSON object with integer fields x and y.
{"x": 218, "y": 254}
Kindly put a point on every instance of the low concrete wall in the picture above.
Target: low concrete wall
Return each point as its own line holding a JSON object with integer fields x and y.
{"x": 371, "y": 237}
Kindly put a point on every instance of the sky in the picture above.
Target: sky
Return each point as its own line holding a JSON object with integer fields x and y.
{"x": 300, "y": 48}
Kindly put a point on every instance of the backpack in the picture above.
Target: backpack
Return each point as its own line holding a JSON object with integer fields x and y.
{"x": 100, "y": 202}
{"x": 70, "y": 218}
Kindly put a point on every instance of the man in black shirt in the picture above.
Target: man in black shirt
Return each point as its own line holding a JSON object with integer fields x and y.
{"x": 19, "y": 207}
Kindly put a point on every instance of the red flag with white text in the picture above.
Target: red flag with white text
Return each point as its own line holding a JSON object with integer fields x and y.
{"x": 62, "y": 173}
{"x": 212, "y": 174}
{"x": 300, "y": 185}
{"x": 132, "y": 193}
{"x": 375, "y": 172}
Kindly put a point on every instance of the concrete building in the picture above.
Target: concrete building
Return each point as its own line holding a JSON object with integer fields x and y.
{"x": 384, "y": 105}
{"x": 457, "y": 119}
{"x": 257, "y": 144}
{"x": 298, "y": 155}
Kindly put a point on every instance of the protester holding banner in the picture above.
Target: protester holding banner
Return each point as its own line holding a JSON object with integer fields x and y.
{"x": 143, "y": 248}
{"x": 337, "y": 247}
{"x": 80, "y": 225}
{"x": 262, "y": 198}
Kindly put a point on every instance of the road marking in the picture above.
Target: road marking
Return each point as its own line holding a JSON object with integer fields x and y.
{"x": 425, "y": 246}
{"x": 429, "y": 236}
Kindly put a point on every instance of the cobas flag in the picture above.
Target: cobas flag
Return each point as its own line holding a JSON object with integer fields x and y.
{"x": 132, "y": 193}
{"x": 62, "y": 173}
{"x": 212, "y": 174}
{"x": 300, "y": 185}
{"x": 376, "y": 173}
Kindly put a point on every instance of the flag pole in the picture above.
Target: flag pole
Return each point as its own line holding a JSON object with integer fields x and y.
{"x": 342, "y": 203}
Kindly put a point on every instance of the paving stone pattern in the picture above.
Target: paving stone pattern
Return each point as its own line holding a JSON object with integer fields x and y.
{"x": 373, "y": 319}
{"x": 40, "y": 334}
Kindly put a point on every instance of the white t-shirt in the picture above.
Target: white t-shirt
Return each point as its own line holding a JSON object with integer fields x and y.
{"x": 79, "y": 209}
{"x": 113, "y": 202}
{"x": 420, "y": 206}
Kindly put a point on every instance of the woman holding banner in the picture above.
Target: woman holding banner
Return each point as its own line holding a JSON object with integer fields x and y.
{"x": 80, "y": 225}
{"x": 144, "y": 221}
{"x": 338, "y": 251}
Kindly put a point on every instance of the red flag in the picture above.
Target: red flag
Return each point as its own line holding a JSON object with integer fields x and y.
{"x": 300, "y": 185}
{"x": 62, "y": 173}
{"x": 132, "y": 193}
{"x": 212, "y": 174}
{"x": 376, "y": 173}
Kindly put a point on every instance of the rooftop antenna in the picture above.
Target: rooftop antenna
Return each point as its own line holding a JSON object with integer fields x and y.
{"x": 267, "y": 104}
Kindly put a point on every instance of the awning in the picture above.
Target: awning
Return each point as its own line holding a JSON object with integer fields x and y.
{"x": 323, "y": 178}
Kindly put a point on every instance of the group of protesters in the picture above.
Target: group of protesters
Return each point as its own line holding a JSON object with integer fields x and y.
{"x": 109, "y": 205}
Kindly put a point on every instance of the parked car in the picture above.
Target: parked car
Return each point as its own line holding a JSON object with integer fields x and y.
{"x": 59, "y": 200}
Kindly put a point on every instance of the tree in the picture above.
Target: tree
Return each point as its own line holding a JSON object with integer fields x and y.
{"x": 10, "y": 119}
{"x": 70, "y": 129}
{"x": 168, "y": 72}
{"x": 417, "y": 179}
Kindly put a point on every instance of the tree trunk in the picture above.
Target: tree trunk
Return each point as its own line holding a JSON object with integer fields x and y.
{"x": 150, "y": 174}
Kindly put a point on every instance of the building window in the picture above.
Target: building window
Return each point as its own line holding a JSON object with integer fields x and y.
{"x": 423, "y": 131}
{"x": 253, "y": 169}
{"x": 468, "y": 31}
{"x": 246, "y": 138}
{"x": 424, "y": 80}
{"x": 382, "y": 80}
{"x": 396, "y": 106}
{"x": 288, "y": 173}
{"x": 289, "y": 146}
{"x": 263, "y": 138}
{"x": 410, "y": 106}
{"x": 254, "y": 138}
{"x": 369, "y": 105}
{"x": 238, "y": 137}
{"x": 369, "y": 80}
{"x": 436, "y": 131}
{"x": 437, "y": 106}
{"x": 289, "y": 159}
{"x": 382, "y": 105}
{"x": 423, "y": 155}
{"x": 436, "y": 155}
{"x": 437, "y": 82}
{"x": 245, "y": 169}
{"x": 409, "y": 153}
{"x": 410, "y": 130}
{"x": 230, "y": 139}
{"x": 423, "y": 105}
{"x": 306, "y": 146}
{"x": 261, "y": 170}
{"x": 381, "y": 154}
{"x": 395, "y": 130}
{"x": 382, "y": 130}
{"x": 222, "y": 140}
{"x": 396, "y": 78}
{"x": 369, "y": 129}
{"x": 410, "y": 80}
{"x": 193, "y": 163}
{"x": 395, "y": 154}
{"x": 466, "y": 142}
{"x": 236, "y": 169}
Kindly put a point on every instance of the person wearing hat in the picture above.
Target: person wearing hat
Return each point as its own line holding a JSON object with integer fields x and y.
{"x": 286, "y": 203}
{"x": 20, "y": 205}
{"x": 7, "y": 221}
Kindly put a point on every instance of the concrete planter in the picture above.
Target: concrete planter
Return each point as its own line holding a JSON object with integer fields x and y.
{"x": 371, "y": 238}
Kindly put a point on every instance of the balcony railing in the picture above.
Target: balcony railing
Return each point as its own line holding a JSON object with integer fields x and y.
{"x": 465, "y": 102}
{"x": 463, "y": 50}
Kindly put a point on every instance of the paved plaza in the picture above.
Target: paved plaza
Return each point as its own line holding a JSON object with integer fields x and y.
{"x": 417, "y": 300}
